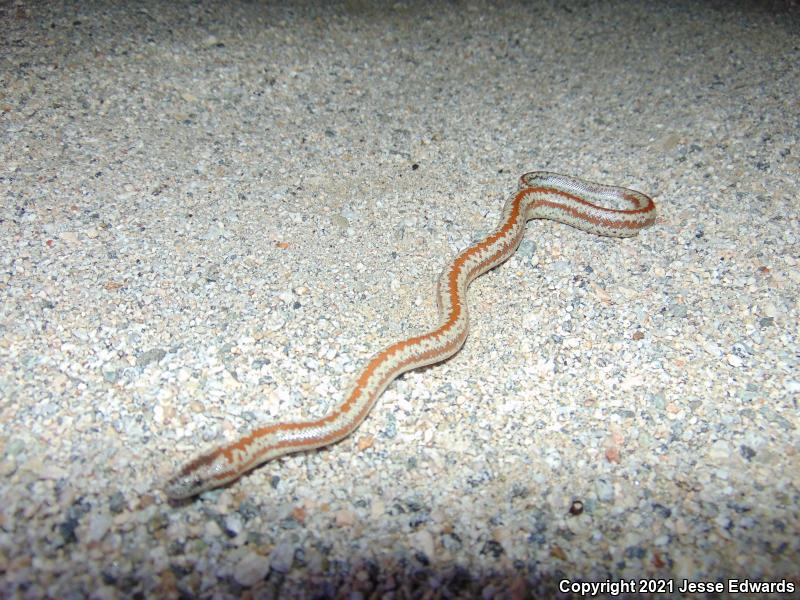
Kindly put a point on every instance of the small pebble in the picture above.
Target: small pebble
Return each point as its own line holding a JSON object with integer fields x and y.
{"x": 251, "y": 569}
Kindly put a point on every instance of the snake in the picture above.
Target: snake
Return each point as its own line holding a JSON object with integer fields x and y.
{"x": 540, "y": 195}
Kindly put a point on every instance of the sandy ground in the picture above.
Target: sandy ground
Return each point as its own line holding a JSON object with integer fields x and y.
{"x": 214, "y": 213}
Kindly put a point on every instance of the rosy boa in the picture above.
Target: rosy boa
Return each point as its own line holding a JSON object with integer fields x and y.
{"x": 541, "y": 195}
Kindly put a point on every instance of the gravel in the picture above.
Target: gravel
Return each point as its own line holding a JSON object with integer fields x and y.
{"x": 214, "y": 213}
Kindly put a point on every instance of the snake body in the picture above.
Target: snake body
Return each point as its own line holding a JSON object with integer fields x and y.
{"x": 541, "y": 195}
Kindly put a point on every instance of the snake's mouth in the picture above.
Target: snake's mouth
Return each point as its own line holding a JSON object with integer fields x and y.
{"x": 184, "y": 485}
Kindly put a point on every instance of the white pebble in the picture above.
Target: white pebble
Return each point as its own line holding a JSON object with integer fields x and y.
{"x": 604, "y": 489}
{"x": 422, "y": 541}
{"x": 233, "y": 523}
{"x": 98, "y": 526}
{"x": 282, "y": 557}
{"x": 734, "y": 360}
{"x": 251, "y": 569}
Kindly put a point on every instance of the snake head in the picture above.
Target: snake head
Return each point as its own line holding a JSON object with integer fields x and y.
{"x": 206, "y": 472}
